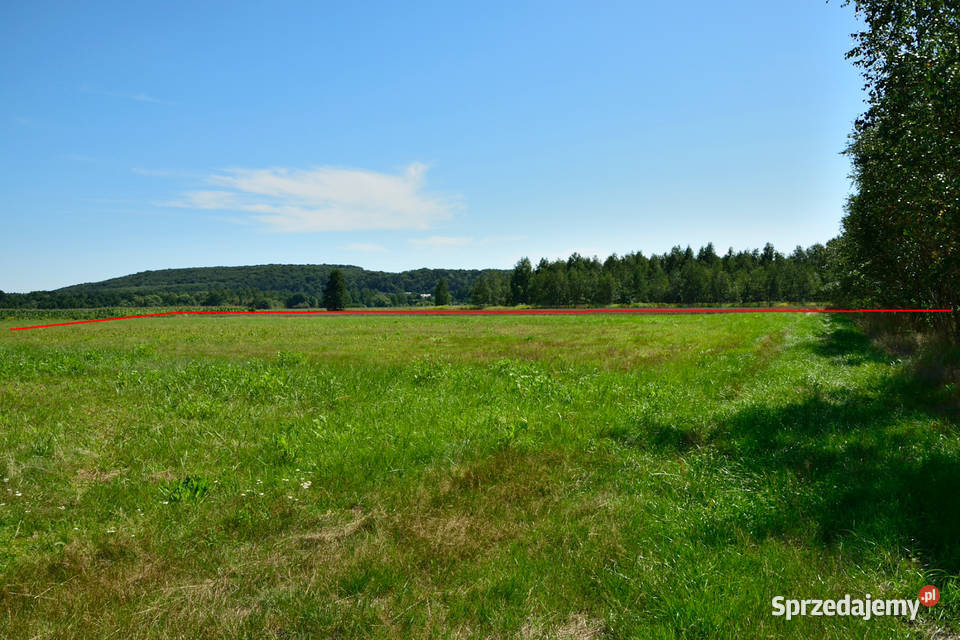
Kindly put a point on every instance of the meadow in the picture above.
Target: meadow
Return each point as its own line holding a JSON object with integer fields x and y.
{"x": 470, "y": 476}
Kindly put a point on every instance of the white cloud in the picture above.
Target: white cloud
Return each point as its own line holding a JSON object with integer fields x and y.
{"x": 324, "y": 199}
{"x": 363, "y": 246}
{"x": 441, "y": 241}
{"x": 136, "y": 97}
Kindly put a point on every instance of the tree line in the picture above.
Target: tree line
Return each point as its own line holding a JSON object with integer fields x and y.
{"x": 678, "y": 276}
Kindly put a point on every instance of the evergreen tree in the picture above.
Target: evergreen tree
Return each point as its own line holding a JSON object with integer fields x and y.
{"x": 441, "y": 293}
{"x": 335, "y": 293}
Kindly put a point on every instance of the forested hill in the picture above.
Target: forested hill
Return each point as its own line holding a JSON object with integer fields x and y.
{"x": 273, "y": 282}
{"x": 264, "y": 277}
{"x": 680, "y": 276}
{"x": 291, "y": 278}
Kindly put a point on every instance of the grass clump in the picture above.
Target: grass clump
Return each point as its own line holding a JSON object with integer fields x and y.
{"x": 189, "y": 490}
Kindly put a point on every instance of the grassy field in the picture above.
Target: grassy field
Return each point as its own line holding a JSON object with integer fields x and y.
{"x": 495, "y": 477}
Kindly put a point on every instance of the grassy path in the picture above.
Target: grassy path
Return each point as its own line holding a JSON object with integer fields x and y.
{"x": 579, "y": 477}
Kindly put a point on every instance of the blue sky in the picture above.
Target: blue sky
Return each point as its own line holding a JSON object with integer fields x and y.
{"x": 140, "y": 135}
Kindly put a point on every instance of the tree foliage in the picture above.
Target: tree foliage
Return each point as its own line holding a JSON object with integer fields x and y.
{"x": 901, "y": 233}
{"x": 441, "y": 293}
{"x": 335, "y": 293}
{"x": 520, "y": 281}
{"x": 680, "y": 276}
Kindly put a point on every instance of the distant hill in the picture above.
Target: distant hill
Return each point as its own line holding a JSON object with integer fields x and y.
{"x": 272, "y": 283}
{"x": 294, "y": 278}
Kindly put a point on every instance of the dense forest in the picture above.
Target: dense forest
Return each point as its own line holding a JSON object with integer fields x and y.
{"x": 679, "y": 276}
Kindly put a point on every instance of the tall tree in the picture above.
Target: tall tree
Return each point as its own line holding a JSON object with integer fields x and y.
{"x": 335, "y": 293}
{"x": 441, "y": 293}
{"x": 901, "y": 233}
{"x": 520, "y": 282}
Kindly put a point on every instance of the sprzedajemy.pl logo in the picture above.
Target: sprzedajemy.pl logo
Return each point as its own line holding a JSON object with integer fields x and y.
{"x": 865, "y": 608}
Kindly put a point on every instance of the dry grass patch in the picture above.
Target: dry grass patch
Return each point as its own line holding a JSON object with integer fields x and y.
{"x": 577, "y": 626}
{"x": 93, "y": 476}
{"x": 333, "y": 533}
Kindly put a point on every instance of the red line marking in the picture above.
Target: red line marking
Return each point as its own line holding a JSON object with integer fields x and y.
{"x": 486, "y": 311}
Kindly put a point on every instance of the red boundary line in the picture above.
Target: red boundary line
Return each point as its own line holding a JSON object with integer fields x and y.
{"x": 487, "y": 311}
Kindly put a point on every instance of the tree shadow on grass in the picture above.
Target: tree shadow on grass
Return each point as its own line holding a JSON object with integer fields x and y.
{"x": 882, "y": 463}
{"x": 847, "y": 344}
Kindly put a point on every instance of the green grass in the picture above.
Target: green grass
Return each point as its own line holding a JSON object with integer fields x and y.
{"x": 468, "y": 476}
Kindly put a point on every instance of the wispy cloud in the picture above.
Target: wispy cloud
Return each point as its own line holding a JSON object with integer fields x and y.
{"x": 441, "y": 241}
{"x": 324, "y": 199}
{"x": 364, "y": 247}
{"x": 138, "y": 96}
